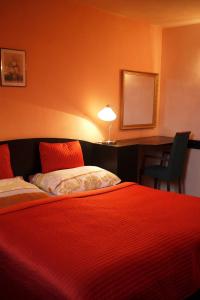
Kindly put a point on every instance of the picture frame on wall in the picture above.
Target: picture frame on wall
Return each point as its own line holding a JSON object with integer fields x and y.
{"x": 13, "y": 67}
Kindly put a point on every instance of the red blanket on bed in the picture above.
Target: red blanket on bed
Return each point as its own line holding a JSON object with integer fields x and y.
{"x": 127, "y": 242}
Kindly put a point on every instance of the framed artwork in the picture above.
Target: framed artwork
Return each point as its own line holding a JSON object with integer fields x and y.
{"x": 138, "y": 99}
{"x": 13, "y": 71}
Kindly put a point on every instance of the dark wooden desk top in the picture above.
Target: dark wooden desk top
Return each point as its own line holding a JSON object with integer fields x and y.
{"x": 151, "y": 141}
{"x": 126, "y": 156}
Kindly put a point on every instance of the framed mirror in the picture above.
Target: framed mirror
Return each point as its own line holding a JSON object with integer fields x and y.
{"x": 138, "y": 99}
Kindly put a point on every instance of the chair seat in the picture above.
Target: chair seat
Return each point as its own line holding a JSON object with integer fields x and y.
{"x": 172, "y": 169}
{"x": 157, "y": 171}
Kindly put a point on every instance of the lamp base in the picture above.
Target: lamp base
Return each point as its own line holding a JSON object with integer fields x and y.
{"x": 108, "y": 142}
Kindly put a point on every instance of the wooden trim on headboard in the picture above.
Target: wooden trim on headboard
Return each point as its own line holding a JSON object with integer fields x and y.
{"x": 25, "y": 157}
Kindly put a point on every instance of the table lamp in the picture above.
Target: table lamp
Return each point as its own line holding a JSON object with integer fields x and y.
{"x": 108, "y": 115}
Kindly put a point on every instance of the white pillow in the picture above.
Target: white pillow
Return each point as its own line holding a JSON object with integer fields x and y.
{"x": 79, "y": 179}
{"x": 16, "y": 185}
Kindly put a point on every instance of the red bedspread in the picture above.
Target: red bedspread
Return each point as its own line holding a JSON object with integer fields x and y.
{"x": 127, "y": 242}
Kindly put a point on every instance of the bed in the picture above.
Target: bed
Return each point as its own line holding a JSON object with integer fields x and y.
{"x": 16, "y": 190}
{"x": 120, "y": 242}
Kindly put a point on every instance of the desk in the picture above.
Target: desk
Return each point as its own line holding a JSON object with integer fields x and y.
{"x": 125, "y": 157}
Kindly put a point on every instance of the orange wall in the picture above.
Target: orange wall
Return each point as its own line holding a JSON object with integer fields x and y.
{"x": 180, "y": 92}
{"x": 180, "y": 88}
{"x": 74, "y": 54}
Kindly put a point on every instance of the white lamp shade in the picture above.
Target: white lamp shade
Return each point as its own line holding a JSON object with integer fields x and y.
{"x": 107, "y": 114}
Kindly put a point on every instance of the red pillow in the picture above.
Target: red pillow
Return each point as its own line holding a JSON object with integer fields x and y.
{"x": 57, "y": 156}
{"x": 5, "y": 165}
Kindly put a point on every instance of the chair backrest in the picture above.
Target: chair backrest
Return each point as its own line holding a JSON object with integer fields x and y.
{"x": 178, "y": 155}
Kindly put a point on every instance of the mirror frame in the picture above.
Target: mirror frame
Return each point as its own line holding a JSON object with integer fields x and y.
{"x": 154, "y": 100}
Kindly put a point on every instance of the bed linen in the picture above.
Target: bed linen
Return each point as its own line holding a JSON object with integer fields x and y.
{"x": 15, "y": 190}
{"x": 79, "y": 179}
{"x": 122, "y": 242}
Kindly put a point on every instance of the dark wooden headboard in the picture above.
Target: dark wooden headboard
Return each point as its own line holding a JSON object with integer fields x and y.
{"x": 25, "y": 156}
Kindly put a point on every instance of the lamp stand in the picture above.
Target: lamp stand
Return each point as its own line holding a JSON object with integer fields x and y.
{"x": 109, "y": 142}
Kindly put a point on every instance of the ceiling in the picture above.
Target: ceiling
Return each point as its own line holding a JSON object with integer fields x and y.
{"x": 159, "y": 12}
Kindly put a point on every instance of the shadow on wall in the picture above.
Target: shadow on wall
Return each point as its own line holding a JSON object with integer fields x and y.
{"x": 35, "y": 121}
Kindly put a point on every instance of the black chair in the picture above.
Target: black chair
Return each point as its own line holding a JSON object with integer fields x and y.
{"x": 171, "y": 165}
